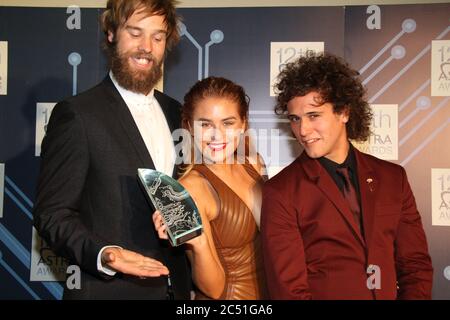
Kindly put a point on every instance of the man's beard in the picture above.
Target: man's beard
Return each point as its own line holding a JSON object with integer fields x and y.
{"x": 138, "y": 81}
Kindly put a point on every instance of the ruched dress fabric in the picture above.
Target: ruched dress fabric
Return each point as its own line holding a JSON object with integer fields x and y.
{"x": 237, "y": 241}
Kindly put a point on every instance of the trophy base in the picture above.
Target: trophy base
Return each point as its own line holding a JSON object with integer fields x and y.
{"x": 185, "y": 237}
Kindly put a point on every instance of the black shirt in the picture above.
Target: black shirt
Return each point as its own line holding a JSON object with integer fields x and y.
{"x": 350, "y": 162}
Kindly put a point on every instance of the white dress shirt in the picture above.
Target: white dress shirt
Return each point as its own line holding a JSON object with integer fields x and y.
{"x": 155, "y": 132}
{"x": 152, "y": 125}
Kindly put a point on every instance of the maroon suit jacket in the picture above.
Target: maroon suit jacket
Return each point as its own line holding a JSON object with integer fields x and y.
{"x": 314, "y": 250}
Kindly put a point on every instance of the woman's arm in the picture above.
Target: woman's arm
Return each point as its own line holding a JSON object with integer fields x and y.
{"x": 207, "y": 271}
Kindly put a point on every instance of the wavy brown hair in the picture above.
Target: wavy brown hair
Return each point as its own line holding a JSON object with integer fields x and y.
{"x": 335, "y": 81}
{"x": 213, "y": 87}
{"x": 119, "y": 11}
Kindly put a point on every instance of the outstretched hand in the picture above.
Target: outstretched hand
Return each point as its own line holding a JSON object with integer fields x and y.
{"x": 132, "y": 263}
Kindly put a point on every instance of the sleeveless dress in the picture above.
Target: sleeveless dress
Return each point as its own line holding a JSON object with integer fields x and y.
{"x": 237, "y": 241}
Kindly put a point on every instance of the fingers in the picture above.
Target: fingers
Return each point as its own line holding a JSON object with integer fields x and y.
{"x": 151, "y": 268}
{"x": 160, "y": 227}
{"x": 150, "y": 262}
{"x": 162, "y": 232}
{"x": 155, "y": 271}
{"x": 155, "y": 216}
{"x": 157, "y": 219}
{"x": 133, "y": 263}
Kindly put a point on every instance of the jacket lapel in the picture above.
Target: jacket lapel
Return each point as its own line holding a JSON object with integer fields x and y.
{"x": 123, "y": 114}
{"x": 169, "y": 108}
{"x": 368, "y": 186}
{"x": 172, "y": 113}
{"x": 325, "y": 183}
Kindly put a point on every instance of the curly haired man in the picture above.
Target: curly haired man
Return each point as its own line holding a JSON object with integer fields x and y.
{"x": 337, "y": 223}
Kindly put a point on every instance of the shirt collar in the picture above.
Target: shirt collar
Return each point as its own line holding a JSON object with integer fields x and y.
{"x": 350, "y": 161}
{"x": 130, "y": 96}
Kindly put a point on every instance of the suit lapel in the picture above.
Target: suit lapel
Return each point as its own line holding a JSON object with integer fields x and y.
{"x": 368, "y": 185}
{"x": 172, "y": 113}
{"x": 325, "y": 183}
{"x": 123, "y": 114}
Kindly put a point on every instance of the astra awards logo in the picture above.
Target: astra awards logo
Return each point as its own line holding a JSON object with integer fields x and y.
{"x": 3, "y": 67}
{"x": 45, "y": 265}
{"x": 282, "y": 53}
{"x": 383, "y": 142}
{"x": 440, "y": 197}
{"x": 74, "y": 59}
{"x": 440, "y": 68}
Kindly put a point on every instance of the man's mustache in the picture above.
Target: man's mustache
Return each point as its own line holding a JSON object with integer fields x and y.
{"x": 143, "y": 55}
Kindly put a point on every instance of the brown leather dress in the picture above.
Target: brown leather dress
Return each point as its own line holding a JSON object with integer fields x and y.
{"x": 237, "y": 240}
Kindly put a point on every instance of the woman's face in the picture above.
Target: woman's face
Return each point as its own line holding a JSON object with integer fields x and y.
{"x": 217, "y": 127}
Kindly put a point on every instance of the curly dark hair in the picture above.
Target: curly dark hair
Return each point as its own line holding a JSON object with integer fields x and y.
{"x": 335, "y": 81}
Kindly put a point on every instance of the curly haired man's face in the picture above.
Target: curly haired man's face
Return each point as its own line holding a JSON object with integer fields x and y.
{"x": 320, "y": 131}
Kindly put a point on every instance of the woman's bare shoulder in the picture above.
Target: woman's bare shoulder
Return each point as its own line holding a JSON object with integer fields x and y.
{"x": 202, "y": 193}
{"x": 193, "y": 181}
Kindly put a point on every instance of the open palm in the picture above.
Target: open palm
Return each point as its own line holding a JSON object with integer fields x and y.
{"x": 132, "y": 263}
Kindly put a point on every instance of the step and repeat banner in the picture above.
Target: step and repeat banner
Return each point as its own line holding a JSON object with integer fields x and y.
{"x": 401, "y": 51}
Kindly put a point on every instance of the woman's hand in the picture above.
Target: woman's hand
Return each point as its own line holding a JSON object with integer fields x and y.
{"x": 160, "y": 227}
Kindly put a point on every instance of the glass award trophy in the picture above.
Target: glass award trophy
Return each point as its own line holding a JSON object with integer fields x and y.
{"x": 178, "y": 210}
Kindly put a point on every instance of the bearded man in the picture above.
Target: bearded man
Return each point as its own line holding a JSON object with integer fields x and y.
{"x": 89, "y": 206}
